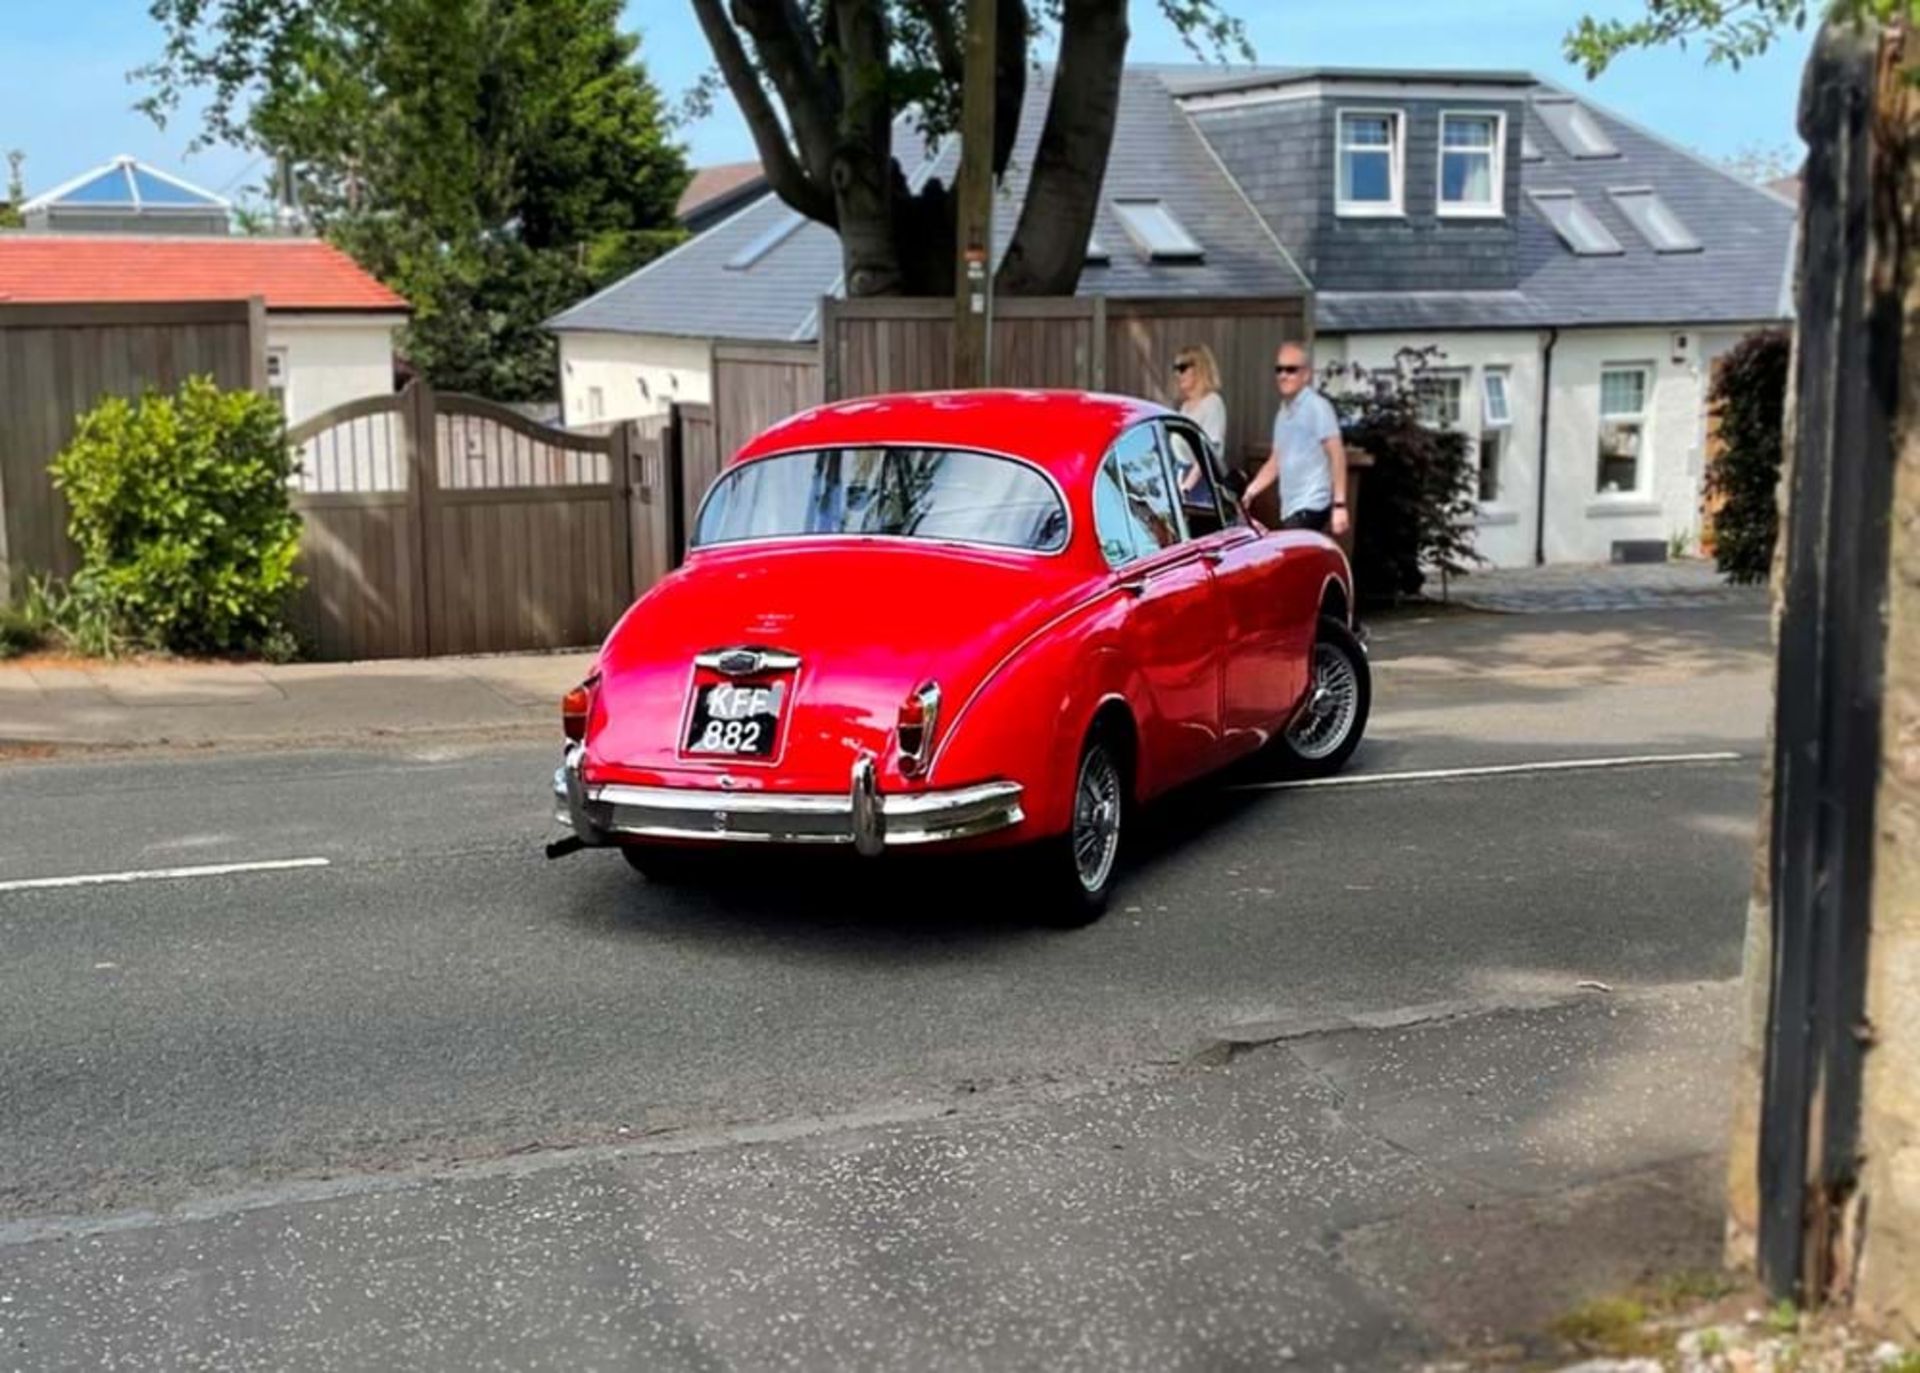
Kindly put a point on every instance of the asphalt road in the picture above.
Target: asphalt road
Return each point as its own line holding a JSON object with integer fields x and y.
{"x": 438, "y": 991}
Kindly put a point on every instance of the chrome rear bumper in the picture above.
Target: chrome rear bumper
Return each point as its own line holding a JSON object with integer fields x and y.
{"x": 861, "y": 816}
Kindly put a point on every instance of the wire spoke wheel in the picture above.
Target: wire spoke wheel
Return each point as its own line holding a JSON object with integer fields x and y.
{"x": 1096, "y": 819}
{"x": 1332, "y": 705}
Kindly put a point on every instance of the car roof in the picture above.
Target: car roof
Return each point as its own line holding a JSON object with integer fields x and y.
{"x": 1065, "y": 432}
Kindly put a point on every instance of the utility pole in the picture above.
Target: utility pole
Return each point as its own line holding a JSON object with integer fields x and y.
{"x": 973, "y": 268}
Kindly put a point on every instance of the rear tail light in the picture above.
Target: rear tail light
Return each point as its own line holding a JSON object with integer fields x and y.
{"x": 575, "y": 706}
{"x": 919, "y": 717}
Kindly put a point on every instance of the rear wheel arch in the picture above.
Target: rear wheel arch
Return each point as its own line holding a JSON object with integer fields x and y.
{"x": 1335, "y": 603}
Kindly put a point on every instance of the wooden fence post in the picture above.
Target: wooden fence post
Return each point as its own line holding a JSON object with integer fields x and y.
{"x": 620, "y": 474}
{"x": 673, "y": 478}
{"x": 423, "y": 487}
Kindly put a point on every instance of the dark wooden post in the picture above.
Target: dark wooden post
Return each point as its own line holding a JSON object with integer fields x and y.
{"x": 973, "y": 272}
{"x": 1828, "y": 691}
{"x": 421, "y": 417}
{"x": 620, "y": 474}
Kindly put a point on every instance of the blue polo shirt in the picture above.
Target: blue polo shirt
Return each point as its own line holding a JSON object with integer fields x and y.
{"x": 1300, "y": 431}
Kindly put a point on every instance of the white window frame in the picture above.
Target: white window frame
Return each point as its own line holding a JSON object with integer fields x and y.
{"x": 1395, "y": 206}
{"x": 279, "y": 388}
{"x": 1488, "y": 373}
{"x": 1450, "y": 209}
{"x": 1642, "y": 423}
{"x": 596, "y": 403}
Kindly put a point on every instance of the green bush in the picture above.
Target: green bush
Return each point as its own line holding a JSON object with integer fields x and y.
{"x": 180, "y": 509}
{"x": 1419, "y": 499}
{"x": 19, "y": 632}
{"x": 1749, "y": 397}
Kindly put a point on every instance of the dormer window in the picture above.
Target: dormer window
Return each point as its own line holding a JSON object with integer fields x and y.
{"x": 1372, "y": 162}
{"x": 1472, "y": 163}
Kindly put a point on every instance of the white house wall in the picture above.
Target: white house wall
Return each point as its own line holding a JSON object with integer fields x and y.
{"x": 1506, "y": 530}
{"x": 606, "y": 376}
{"x": 332, "y": 359}
{"x": 1582, "y": 525}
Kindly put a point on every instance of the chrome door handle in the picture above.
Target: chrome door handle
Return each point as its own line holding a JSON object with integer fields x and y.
{"x": 1134, "y": 586}
{"x": 1213, "y": 557}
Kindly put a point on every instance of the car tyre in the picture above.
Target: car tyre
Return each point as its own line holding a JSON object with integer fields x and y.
{"x": 1078, "y": 869}
{"x": 1320, "y": 739}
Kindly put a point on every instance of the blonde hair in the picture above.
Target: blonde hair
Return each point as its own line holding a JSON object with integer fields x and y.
{"x": 1201, "y": 357}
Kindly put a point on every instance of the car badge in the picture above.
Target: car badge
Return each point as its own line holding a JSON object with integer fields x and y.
{"x": 720, "y": 821}
{"x": 739, "y": 662}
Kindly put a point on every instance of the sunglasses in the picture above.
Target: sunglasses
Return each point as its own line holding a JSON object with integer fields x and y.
{"x": 1182, "y": 366}
{"x": 1287, "y": 369}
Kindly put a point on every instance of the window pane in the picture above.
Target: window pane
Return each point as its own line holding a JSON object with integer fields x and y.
{"x": 1153, "y": 226}
{"x": 1623, "y": 392}
{"x": 1367, "y": 130}
{"x": 1149, "y": 503}
{"x": 1490, "y": 446}
{"x": 1112, "y": 521}
{"x": 1466, "y": 178}
{"x": 928, "y": 493}
{"x": 1497, "y": 408}
{"x": 1577, "y": 226}
{"x": 1195, "y": 482}
{"x": 1366, "y": 177}
{"x": 1439, "y": 401}
{"x": 1656, "y": 221}
{"x": 1619, "y": 469}
{"x": 1468, "y": 131}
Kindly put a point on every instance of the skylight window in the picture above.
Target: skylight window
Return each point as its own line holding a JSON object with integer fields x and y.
{"x": 1529, "y": 150}
{"x": 1155, "y": 231}
{"x": 1097, "y": 254}
{"x": 1657, "y": 223}
{"x": 1579, "y": 228}
{"x": 1574, "y": 129}
{"x": 774, "y": 236}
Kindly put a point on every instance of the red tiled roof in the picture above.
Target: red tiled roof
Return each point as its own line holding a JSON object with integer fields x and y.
{"x": 710, "y": 183}
{"x": 291, "y": 273}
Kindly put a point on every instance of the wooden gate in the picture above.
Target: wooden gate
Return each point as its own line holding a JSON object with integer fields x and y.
{"x": 440, "y": 524}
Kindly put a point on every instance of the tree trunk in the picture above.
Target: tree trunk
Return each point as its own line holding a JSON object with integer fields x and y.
{"x": 1050, "y": 242}
{"x": 1889, "y": 1252}
{"x": 863, "y": 166}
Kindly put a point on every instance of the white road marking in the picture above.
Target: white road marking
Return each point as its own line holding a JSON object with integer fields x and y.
{"x": 1377, "y": 779}
{"x": 162, "y": 874}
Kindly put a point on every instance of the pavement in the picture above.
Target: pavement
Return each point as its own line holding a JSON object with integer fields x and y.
{"x": 64, "y": 704}
{"x": 1348, "y": 1076}
{"x": 77, "y": 704}
{"x": 1685, "y": 583}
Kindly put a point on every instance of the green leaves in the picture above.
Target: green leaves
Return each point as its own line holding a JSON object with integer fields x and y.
{"x": 1748, "y": 400}
{"x": 180, "y": 510}
{"x": 1732, "y": 31}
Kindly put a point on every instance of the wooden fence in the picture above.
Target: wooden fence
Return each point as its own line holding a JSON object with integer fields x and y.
{"x": 757, "y": 385}
{"x": 438, "y": 524}
{"x": 58, "y": 361}
{"x": 1085, "y": 342}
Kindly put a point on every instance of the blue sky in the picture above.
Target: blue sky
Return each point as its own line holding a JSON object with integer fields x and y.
{"x": 65, "y": 99}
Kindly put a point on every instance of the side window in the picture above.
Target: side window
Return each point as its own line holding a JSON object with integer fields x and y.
{"x": 1112, "y": 524}
{"x": 1143, "y": 476}
{"x": 1208, "y": 509}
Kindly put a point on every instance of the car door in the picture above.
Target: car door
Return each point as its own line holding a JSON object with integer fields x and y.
{"x": 1174, "y": 630}
{"x": 1262, "y": 665}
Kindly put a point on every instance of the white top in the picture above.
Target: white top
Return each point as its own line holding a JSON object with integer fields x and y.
{"x": 1210, "y": 413}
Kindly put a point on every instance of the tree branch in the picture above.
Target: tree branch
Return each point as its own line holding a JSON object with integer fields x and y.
{"x": 790, "y": 181}
{"x": 1050, "y": 243}
{"x": 1010, "y": 79}
{"x": 785, "y": 43}
{"x": 938, "y": 16}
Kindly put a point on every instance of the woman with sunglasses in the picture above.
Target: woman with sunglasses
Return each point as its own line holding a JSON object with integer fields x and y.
{"x": 1197, "y": 378}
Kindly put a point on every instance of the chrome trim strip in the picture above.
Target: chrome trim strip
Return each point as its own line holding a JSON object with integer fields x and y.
{"x": 764, "y": 660}
{"x": 864, "y": 816}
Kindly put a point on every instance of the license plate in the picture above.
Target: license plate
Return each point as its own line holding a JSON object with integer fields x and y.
{"x": 735, "y": 719}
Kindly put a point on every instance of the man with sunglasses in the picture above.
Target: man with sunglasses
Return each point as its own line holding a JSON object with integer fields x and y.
{"x": 1308, "y": 460}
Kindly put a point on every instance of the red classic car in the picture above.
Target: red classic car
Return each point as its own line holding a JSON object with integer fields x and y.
{"x": 970, "y": 619}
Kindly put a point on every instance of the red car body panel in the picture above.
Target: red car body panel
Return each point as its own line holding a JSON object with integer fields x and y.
{"x": 1204, "y": 646}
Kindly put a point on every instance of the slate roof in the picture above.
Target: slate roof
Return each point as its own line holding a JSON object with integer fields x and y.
{"x": 1156, "y": 154}
{"x": 291, "y": 273}
{"x": 1741, "y": 274}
